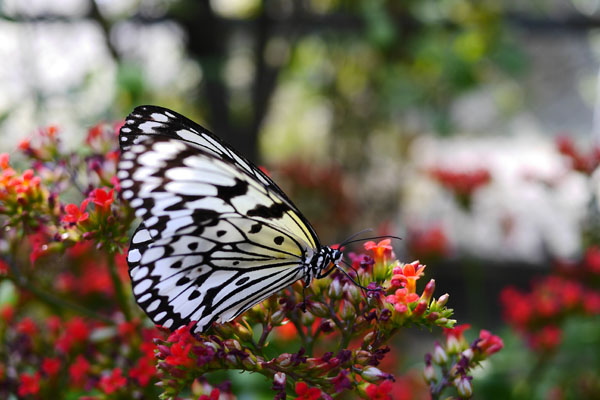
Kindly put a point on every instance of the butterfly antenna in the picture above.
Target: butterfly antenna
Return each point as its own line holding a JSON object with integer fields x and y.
{"x": 372, "y": 238}
{"x": 357, "y": 277}
{"x": 349, "y": 277}
{"x": 349, "y": 239}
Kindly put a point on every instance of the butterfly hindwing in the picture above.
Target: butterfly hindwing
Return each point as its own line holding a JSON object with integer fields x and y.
{"x": 214, "y": 240}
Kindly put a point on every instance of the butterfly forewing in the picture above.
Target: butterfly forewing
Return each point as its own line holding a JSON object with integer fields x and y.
{"x": 214, "y": 239}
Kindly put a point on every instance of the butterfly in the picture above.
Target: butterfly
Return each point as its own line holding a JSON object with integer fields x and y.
{"x": 217, "y": 235}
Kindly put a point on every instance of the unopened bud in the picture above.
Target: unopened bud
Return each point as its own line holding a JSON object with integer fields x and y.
{"x": 369, "y": 338}
{"x": 347, "y": 310}
{"x": 318, "y": 309}
{"x": 428, "y": 291}
{"x": 307, "y": 319}
{"x": 468, "y": 353}
{"x": 373, "y": 374}
{"x": 277, "y": 317}
{"x": 243, "y": 333}
{"x": 335, "y": 289}
{"x": 420, "y": 308}
{"x": 353, "y": 293}
{"x": 439, "y": 355}
{"x": 432, "y": 316}
{"x": 363, "y": 357}
{"x": 453, "y": 345}
{"x": 463, "y": 387}
{"x": 284, "y": 360}
{"x": 233, "y": 344}
{"x": 429, "y": 373}
{"x": 279, "y": 380}
{"x": 442, "y": 300}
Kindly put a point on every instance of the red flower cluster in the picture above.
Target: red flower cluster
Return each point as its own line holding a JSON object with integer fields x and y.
{"x": 585, "y": 163}
{"x": 428, "y": 243}
{"x": 537, "y": 314}
{"x": 461, "y": 183}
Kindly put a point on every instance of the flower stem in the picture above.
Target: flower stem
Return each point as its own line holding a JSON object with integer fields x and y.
{"x": 49, "y": 299}
{"x": 118, "y": 286}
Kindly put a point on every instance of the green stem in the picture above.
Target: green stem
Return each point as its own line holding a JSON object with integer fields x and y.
{"x": 118, "y": 286}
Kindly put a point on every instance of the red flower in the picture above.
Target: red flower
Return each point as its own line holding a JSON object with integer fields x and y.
{"x": 75, "y": 214}
{"x": 180, "y": 355}
{"x": 306, "y": 393}
{"x": 214, "y": 395}
{"x": 547, "y": 339}
{"x": 7, "y": 313}
{"x": 381, "y": 391}
{"x": 102, "y": 199}
{"x": 4, "y": 160}
{"x": 428, "y": 243}
{"x": 518, "y": 308}
{"x": 78, "y": 370}
{"x": 76, "y": 331}
{"x": 51, "y": 366}
{"x": 462, "y": 183}
{"x": 489, "y": 344}
{"x": 408, "y": 274}
{"x": 27, "y": 326}
{"x": 382, "y": 251}
{"x": 592, "y": 259}
{"x": 3, "y": 268}
{"x": 113, "y": 382}
{"x": 591, "y": 303}
{"x": 457, "y": 331}
{"x": 401, "y": 299}
{"x": 29, "y": 384}
{"x": 143, "y": 371}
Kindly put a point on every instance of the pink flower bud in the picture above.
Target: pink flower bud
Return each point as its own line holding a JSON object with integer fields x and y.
{"x": 318, "y": 309}
{"x": 373, "y": 374}
{"x": 353, "y": 293}
{"x": 369, "y": 338}
{"x": 363, "y": 357}
{"x": 277, "y": 317}
{"x": 420, "y": 308}
{"x": 439, "y": 355}
{"x": 284, "y": 360}
{"x": 429, "y": 373}
{"x": 335, "y": 290}
{"x": 463, "y": 386}
{"x": 443, "y": 299}
{"x": 347, "y": 311}
{"x": 428, "y": 291}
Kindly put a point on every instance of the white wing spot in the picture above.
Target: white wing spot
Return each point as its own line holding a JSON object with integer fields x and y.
{"x": 159, "y": 117}
{"x": 134, "y": 255}
{"x": 142, "y": 286}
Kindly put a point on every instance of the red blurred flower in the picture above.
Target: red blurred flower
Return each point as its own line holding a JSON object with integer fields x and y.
{"x": 307, "y": 393}
{"x": 214, "y": 395}
{"x": 381, "y": 391}
{"x": 585, "y": 163}
{"x": 457, "y": 331}
{"x": 76, "y": 331}
{"x": 382, "y": 251}
{"x": 4, "y": 160}
{"x": 102, "y": 199}
{"x": 3, "y": 268}
{"x": 591, "y": 260}
{"x": 401, "y": 298}
{"x": 27, "y": 326}
{"x": 78, "y": 370}
{"x": 428, "y": 243}
{"x": 113, "y": 382}
{"x": 76, "y": 214}
{"x": 143, "y": 371}
{"x": 547, "y": 339}
{"x": 7, "y": 313}
{"x": 518, "y": 308}
{"x": 591, "y": 303}
{"x": 29, "y": 384}
{"x": 489, "y": 344}
{"x": 461, "y": 183}
{"x": 50, "y": 366}
{"x": 39, "y": 243}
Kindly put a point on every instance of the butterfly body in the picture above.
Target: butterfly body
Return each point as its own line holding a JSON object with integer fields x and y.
{"x": 217, "y": 235}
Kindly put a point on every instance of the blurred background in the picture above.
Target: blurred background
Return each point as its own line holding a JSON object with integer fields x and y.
{"x": 468, "y": 128}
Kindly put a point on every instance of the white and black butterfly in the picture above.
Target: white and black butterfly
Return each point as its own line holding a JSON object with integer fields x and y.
{"x": 217, "y": 235}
